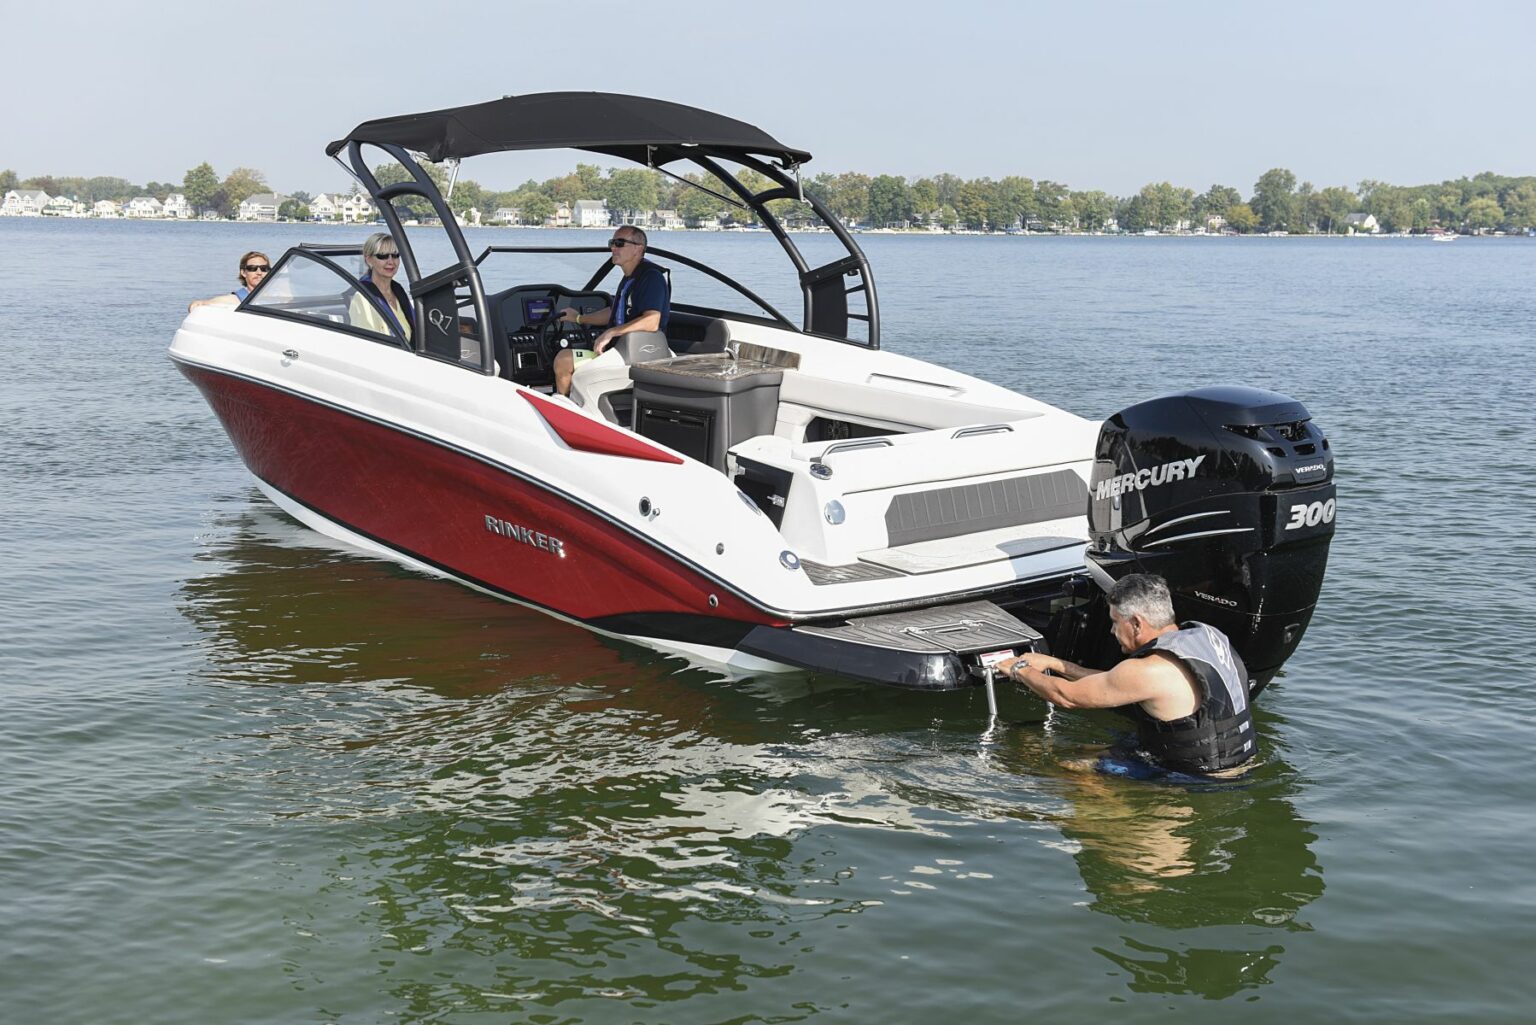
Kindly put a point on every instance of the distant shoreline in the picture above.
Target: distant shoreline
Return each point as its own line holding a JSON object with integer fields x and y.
{"x": 901, "y": 232}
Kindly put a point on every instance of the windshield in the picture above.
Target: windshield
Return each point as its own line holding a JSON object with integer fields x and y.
{"x": 744, "y": 255}
{"x": 520, "y": 259}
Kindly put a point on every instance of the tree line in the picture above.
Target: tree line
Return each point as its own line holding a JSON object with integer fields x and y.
{"x": 1277, "y": 202}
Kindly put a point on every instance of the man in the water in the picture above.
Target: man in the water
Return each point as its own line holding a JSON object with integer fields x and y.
{"x": 1183, "y": 684}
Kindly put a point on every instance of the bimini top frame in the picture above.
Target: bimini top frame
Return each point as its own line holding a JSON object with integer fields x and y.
{"x": 654, "y": 133}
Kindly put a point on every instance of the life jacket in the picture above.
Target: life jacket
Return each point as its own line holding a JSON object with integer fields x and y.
{"x": 1219, "y": 735}
{"x": 624, "y": 298}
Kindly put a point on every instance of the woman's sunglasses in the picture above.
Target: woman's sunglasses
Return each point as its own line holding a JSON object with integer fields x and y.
{"x": 381, "y": 257}
{"x": 252, "y": 268}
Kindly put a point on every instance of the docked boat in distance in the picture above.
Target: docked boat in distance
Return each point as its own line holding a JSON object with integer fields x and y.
{"x": 751, "y": 489}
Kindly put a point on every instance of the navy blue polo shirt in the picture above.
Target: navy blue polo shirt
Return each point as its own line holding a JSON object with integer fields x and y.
{"x": 646, "y": 289}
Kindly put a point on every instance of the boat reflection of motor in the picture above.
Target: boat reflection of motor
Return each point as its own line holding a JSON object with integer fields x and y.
{"x": 1229, "y": 494}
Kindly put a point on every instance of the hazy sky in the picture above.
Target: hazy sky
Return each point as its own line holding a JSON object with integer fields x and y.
{"x": 1089, "y": 93}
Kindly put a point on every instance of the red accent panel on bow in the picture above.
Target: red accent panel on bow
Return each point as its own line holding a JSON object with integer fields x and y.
{"x": 579, "y": 432}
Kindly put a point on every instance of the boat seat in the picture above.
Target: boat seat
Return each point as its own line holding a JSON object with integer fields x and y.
{"x": 598, "y": 381}
{"x": 717, "y": 335}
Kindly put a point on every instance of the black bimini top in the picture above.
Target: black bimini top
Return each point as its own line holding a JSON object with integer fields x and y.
{"x": 646, "y": 131}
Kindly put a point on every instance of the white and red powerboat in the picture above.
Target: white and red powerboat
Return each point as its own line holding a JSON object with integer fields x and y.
{"x": 751, "y": 489}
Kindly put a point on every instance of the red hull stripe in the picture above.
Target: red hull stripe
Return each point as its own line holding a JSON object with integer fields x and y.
{"x": 472, "y": 518}
{"x": 582, "y": 433}
{"x": 695, "y": 629}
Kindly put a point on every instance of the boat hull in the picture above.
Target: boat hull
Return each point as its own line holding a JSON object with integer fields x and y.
{"x": 489, "y": 525}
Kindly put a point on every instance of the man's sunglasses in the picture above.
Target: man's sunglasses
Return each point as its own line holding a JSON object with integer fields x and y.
{"x": 386, "y": 256}
{"x": 252, "y": 268}
{"x": 620, "y": 243}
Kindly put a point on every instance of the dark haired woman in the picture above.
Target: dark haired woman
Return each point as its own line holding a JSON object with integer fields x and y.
{"x": 251, "y": 271}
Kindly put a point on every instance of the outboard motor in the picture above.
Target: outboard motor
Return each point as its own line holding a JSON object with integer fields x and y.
{"x": 1228, "y": 494}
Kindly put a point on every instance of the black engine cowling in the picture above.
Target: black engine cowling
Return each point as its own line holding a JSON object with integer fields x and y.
{"x": 1227, "y": 493}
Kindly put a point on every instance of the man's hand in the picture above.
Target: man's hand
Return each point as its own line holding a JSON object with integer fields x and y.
{"x": 603, "y": 341}
{"x": 1030, "y": 660}
{"x": 570, "y": 313}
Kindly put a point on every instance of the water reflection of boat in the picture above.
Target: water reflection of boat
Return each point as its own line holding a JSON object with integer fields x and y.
{"x": 279, "y": 606}
{"x": 283, "y": 610}
{"x": 430, "y": 732}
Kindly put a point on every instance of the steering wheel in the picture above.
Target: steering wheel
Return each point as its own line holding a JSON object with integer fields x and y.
{"x": 555, "y": 334}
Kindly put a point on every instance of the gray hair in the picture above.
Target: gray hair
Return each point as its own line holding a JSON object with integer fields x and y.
{"x": 1144, "y": 595}
{"x": 636, "y": 233}
{"x": 371, "y": 247}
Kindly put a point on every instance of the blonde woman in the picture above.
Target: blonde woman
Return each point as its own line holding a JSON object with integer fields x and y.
{"x": 382, "y": 302}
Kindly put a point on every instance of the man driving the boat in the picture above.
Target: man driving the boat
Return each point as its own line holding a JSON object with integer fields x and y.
{"x": 1182, "y": 683}
{"x": 643, "y": 302}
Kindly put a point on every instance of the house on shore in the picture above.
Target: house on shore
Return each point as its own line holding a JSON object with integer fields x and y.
{"x": 63, "y": 206}
{"x": 664, "y": 220}
{"x": 1361, "y": 224}
{"x": 142, "y": 206}
{"x": 261, "y": 207}
{"x": 176, "y": 206}
{"x": 508, "y": 215}
{"x": 106, "y": 208}
{"x": 591, "y": 213}
{"x": 24, "y": 203}
{"x": 561, "y": 218}
{"x": 356, "y": 208}
{"x": 351, "y": 209}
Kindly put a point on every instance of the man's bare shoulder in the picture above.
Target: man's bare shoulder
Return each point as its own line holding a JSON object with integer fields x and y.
{"x": 1167, "y": 689}
{"x": 1142, "y": 675}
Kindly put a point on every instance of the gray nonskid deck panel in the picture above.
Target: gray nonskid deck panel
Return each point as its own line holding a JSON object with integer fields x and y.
{"x": 969, "y": 508}
{"x": 822, "y": 575}
{"x": 965, "y": 628}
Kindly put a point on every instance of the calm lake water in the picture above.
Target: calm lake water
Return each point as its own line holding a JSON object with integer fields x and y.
{"x": 247, "y": 777}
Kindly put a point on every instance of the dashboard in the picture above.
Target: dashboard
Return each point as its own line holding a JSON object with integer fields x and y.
{"x": 524, "y": 307}
{"x": 522, "y": 312}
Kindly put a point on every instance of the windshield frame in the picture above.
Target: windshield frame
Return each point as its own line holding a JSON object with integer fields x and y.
{"x": 824, "y": 290}
{"x": 773, "y": 315}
